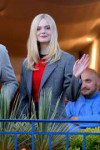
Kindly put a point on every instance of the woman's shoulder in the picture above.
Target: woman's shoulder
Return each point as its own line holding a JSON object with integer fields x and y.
{"x": 66, "y": 55}
{"x": 24, "y": 62}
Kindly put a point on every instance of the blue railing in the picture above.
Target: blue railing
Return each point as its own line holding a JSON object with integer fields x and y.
{"x": 33, "y": 132}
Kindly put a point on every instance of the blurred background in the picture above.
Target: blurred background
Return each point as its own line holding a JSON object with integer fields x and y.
{"x": 78, "y": 23}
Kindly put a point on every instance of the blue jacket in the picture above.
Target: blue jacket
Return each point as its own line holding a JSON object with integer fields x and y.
{"x": 85, "y": 109}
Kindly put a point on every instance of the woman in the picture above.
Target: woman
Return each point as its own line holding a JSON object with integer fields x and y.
{"x": 48, "y": 67}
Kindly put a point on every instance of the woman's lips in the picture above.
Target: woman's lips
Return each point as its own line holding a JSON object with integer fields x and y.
{"x": 43, "y": 36}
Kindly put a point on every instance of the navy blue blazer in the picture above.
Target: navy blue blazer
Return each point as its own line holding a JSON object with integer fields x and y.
{"x": 58, "y": 77}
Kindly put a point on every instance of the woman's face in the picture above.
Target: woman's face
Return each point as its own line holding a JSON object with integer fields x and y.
{"x": 43, "y": 32}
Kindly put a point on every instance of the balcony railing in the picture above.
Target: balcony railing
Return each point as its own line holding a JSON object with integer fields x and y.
{"x": 33, "y": 132}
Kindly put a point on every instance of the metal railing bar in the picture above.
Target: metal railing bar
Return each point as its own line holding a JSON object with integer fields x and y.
{"x": 49, "y": 141}
{"x": 33, "y": 139}
{"x": 15, "y": 141}
{"x": 67, "y": 141}
{"x": 84, "y": 141}
{"x": 53, "y": 133}
{"x": 32, "y": 132}
{"x": 14, "y": 132}
{"x": 43, "y": 120}
{"x": 70, "y": 133}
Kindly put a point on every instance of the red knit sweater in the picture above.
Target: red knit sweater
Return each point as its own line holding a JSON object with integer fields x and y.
{"x": 37, "y": 76}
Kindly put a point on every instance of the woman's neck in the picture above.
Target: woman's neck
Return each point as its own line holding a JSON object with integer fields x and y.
{"x": 43, "y": 48}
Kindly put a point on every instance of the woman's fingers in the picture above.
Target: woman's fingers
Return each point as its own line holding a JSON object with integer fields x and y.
{"x": 84, "y": 58}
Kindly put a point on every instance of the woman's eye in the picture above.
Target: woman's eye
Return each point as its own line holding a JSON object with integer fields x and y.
{"x": 48, "y": 28}
{"x": 38, "y": 29}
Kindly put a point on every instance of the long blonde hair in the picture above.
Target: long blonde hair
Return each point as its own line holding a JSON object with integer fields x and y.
{"x": 32, "y": 44}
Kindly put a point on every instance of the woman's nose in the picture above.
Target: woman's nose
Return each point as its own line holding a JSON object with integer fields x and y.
{"x": 42, "y": 30}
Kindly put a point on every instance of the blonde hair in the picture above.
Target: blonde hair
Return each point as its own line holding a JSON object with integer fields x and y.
{"x": 32, "y": 44}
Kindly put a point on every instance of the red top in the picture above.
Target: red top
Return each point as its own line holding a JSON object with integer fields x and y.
{"x": 37, "y": 76}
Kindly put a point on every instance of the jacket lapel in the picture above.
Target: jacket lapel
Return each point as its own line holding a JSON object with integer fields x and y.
{"x": 47, "y": 72}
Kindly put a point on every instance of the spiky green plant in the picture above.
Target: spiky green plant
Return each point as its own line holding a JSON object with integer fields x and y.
{"x": 41, "y": 141}
{"x": 7, "y": 141}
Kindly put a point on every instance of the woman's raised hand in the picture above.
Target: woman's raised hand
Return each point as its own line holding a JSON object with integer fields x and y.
{"x": 80, "y": 65}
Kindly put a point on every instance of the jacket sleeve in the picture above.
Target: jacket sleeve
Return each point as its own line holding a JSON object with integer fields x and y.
{"x": 89, "y": 118}
{"x": 7, "y": 78}
{"x": 72, "y": 84}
